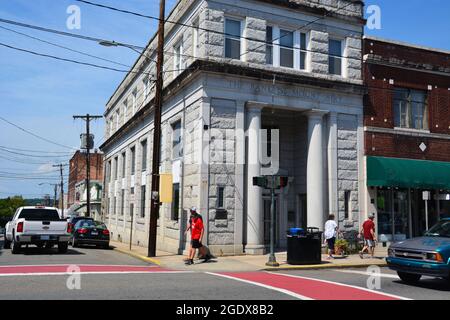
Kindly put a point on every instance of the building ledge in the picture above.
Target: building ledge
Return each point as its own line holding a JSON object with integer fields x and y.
{"x": 411, "y": 133}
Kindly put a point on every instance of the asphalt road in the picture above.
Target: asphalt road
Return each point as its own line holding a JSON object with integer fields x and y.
{"x": 107, "y": 274}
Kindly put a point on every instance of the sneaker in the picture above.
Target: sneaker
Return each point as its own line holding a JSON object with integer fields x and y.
{"x": 361, "y": 255}
{"x": 189, "y": 262}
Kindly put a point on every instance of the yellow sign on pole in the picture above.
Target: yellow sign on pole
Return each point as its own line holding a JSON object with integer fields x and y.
{"x": 165, "y": 187}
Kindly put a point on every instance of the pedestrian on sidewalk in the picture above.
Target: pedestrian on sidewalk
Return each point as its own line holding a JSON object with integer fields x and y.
{"x": 368, "y": 232}
{"x": 330, "y": 234}
{"x": 197, "y": 230}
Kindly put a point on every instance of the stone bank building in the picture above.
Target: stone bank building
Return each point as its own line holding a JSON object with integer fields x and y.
{"x": 251, "y": 88}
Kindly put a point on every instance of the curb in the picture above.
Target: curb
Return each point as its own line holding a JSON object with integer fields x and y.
{"x": 326, "y": 266}
{"x": 138, "y": 256}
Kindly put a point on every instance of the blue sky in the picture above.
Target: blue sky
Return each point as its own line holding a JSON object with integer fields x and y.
{"x": 41, "y": 95}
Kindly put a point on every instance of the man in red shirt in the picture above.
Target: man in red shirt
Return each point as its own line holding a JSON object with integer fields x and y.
{"x": 368, "y": 232}
{"x": 197, "y": 231}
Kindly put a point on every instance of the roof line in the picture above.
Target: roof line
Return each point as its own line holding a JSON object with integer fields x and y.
{"x": 406, "y": 44}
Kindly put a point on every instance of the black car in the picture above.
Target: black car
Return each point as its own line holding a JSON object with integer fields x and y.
{"x": 90, "y": 232}
{"x": 74, "y": 219}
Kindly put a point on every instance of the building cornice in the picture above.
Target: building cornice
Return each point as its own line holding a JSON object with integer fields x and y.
{"x": 410, "y": 133}
{"x": 242, "y": 70}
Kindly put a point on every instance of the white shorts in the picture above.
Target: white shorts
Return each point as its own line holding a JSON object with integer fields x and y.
{"x": 369, "y": 243}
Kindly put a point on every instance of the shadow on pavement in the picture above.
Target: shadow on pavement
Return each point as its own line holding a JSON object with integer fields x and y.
{"x": 42, "y": 251}
{"x": 432, "y": 284}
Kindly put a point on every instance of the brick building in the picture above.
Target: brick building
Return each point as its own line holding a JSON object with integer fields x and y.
{"x": 77, "y": 183}
{"x": 407, "y": 135}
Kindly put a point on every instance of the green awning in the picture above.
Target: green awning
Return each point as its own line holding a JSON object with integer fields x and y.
{"x": 403, "y": 173}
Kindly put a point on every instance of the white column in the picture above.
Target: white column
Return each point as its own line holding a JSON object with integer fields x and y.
{"x": 255, "y": 214}
{"x": 315, "y": 171}
{"x": 333, "y": 165}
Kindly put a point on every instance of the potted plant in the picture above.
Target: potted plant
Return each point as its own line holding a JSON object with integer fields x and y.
{"x": 340, "y": 247}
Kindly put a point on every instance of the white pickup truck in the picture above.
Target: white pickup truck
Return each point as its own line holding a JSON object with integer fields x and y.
{"x": 40, "y": 226}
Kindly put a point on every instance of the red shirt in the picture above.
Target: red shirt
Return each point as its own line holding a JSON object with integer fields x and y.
{"x": 368, "y": 225}
{"x": 196, "y": 228}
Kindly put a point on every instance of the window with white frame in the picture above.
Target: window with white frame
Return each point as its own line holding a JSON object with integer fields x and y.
{"x": 195, "y": 37}
{"x": 117, "y": 118}
{"x": 410, "y": 109}
{"x": 176, "y": 140}
{"x": 146, "y": 84}
{"x": 125, "y": 110}
{"x": 269, "y": 45}
{"x": 335, "y": 56}
{"x": 134, "y": 100}
{"x": 233, "y": 39}
{"x": 178, "y": 59}
{"x": 286, "y": 48}
{"x": 133, "y": 160}
{"x": 303, "y": 51}
{"x": 144, "y": 155}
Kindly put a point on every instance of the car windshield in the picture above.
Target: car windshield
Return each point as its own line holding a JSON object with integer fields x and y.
{"x": 90, "y": 224}
{"x": 441, "y": 229}
{"x": 39, "y": 214}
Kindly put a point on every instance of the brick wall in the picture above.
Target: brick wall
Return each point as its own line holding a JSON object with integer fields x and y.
{"x": 378, "y": 103}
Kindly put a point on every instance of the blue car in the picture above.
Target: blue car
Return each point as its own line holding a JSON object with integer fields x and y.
{"x": 425, "y": 256}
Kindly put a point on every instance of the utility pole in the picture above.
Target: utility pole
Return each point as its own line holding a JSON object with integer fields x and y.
{"x": 62, "y": 185}
{"x": 87, "y": 118}
{"x": 56, "y": 190}
{"x": 154, "y": 209}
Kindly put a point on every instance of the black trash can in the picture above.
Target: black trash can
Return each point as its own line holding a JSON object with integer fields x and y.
{"x": 304, "y": 247}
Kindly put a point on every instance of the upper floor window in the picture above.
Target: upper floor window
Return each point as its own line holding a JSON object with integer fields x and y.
{"x": 134, "y": 100}
{"x": 233, "y": 39}
{"x": 286, "y": 48}
{"x": 410, "y": 109}
{"x": 178, "y": 58}
{"x": 195, "y": 37}
{"x": 117, "y": 119}
{"x": 125, "y": 110}
{"x": 269, "y": 45}
{"x": 124, "y": 164}
{"x": 116, "y": 168}
{"x": 146, "y": 83}
{"x": 303, "y": 51}
{"x": 335, "y": 57}
{"x": 133, "y": 160}
{"x": 176, "y": 140}
{"x": 144, "y": 155}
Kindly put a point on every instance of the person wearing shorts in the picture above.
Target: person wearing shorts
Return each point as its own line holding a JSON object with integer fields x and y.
{"x": 368, "y": 232}
{"x": 330, "y": 234}
{"x": 197, "y": 230}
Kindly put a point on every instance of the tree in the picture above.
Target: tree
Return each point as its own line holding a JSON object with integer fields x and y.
{"x": 8, "y": 207}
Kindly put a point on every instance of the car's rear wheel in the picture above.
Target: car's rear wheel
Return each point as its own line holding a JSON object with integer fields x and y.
{"x": 15, "y": 247}
{"x": 409, "y": 277}
{"x": 74, "y": 242}
{"x": 105, "y": 246}
{"x": 62, "y": 247}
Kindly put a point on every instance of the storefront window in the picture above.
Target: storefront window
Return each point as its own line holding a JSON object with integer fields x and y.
{"x": 384, "y": 215}
{"x": 401, "y": 215}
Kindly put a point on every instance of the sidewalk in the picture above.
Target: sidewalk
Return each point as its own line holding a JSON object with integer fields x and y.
{"x": 247, "y": 262}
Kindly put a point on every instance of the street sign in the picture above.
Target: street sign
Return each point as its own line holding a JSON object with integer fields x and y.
{"x": 426, "y": 195}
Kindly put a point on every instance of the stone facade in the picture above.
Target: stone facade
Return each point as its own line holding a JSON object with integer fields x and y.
{"x": 221, "y": 103}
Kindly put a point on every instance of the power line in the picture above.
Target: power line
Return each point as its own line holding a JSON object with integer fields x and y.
{"x": 66, "y": 48}
{"x": 31, "y": 155}
{"x": 36, "y": 151}
{"x": 33, "y": 134}
{"x": 63, "y": 33}
{"x": 264, "y": 42}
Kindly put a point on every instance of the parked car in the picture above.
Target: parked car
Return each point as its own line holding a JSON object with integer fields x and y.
{"x": 74, "y": 219}
{"x": 90, "y": 232}
{"x": 424, "y": 256}
{"x": 40, "y": 226}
